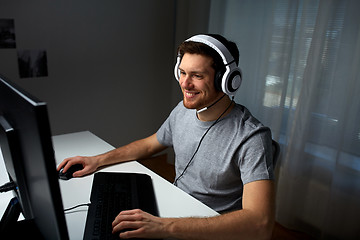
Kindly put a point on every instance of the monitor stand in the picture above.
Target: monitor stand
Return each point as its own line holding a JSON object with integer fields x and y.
{"x": 11, "y": 228}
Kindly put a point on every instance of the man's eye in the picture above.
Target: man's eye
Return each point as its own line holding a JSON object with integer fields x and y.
{"x": 198, "y": 76}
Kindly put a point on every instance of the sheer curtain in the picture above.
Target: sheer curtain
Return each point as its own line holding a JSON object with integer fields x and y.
{"x": 300, "y": 61}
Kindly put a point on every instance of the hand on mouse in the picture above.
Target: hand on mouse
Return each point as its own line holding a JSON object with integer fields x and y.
{"x": 90, "y": 165}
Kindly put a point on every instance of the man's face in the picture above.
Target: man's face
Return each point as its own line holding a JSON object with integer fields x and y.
{"x": 197, "y": 81}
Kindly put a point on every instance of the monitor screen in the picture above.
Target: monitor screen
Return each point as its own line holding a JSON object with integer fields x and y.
{"x": 26, "y": 145}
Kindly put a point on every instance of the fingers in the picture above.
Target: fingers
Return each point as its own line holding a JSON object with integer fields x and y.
{"x": 136, "y": 220}
{"x": 137, "y": 233}
{"x": 82, "y": 172}
{"x": 129, "y": 215}
{"x": 79, "y": 173}
{"x": 139, "y": 224}
{"x": 68, "y": 162}
{"x": 62, "y": 164}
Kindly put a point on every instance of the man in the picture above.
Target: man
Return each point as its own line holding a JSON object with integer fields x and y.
{"x": 223, "y": 154}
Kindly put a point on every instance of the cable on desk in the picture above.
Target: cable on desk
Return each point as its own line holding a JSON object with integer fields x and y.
{"x": 77, "y": 206}
{"x": 8, "y": 186}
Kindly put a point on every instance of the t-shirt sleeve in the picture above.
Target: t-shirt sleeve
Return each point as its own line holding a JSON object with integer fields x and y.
{"x": 164, "y": 135}
{"x": 256, "y": 160}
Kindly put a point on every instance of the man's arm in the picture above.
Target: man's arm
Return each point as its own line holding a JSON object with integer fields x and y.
{"x": 139, "y": 149}
{"x": 254, "y": 221}
{"x": 142, "y": 148}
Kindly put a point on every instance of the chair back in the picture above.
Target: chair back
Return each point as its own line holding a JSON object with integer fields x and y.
{"x": 276, "y": 152}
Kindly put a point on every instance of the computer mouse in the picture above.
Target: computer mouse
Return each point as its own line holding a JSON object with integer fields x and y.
{"x": 69, "y": 173}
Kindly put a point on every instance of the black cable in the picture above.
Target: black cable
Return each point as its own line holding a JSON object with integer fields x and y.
{"x": 202, "y": 138}
{"x": 8, "y": 186}
{"x": 216, "y": 101}
{"x": 80, "y": 205}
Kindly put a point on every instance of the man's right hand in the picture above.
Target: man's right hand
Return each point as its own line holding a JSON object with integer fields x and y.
{"x": 90, "y": 165}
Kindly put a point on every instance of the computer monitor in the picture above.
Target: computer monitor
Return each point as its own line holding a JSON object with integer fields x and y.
{"x": 26, "y": 145}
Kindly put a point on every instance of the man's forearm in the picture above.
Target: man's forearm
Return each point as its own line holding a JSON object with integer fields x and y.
{"x": 254, "y": 221}
{"x": 133, "y": 151}
{"x": 240, "y": 224}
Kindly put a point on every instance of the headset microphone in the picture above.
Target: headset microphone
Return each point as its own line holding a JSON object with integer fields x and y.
{"x": 206, "y": 108}
{"x": 201, "y": 110}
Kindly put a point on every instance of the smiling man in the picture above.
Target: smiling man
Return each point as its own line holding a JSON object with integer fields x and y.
{"x": 223, "y": 155}
{"x": 196, "y": 81}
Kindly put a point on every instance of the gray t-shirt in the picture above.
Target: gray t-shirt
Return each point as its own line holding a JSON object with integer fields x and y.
{"x": 237, "y": 150}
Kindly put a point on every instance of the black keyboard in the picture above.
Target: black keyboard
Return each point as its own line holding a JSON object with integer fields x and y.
{"x": 112, "y": 193}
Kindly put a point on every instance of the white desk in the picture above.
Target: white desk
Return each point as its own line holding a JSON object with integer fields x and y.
{"x": 172, "y": 202}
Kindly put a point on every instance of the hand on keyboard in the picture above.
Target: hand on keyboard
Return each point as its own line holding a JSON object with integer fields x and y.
{"x": 143, "y": 225}
{"x": 112, "y": 193}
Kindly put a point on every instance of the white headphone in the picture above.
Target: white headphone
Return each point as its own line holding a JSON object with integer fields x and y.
{"x": 229, "y": 80}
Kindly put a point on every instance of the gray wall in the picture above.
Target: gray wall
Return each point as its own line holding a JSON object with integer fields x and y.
{"x": 110, "y": 63}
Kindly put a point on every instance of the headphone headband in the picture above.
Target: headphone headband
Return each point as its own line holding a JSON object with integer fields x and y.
{"x": 228, "y": 81}
{"x": 214, "y": 44}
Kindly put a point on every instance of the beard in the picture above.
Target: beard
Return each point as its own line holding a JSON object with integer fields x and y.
{"x": 199, "y": 102}
{"x": 193, "y": 104}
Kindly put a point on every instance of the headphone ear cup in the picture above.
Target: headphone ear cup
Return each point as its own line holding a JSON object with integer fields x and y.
{"x": 232, "y": 82}
{"x": 176, "y": 68}
{"x": 218, "y": 79}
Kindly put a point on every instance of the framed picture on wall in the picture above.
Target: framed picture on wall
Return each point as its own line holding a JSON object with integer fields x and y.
{"x": 7, "y": 33}
{"x": 32, "y": 63}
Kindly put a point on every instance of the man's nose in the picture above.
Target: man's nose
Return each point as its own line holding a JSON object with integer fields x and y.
{"x": 186, "y": 81}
